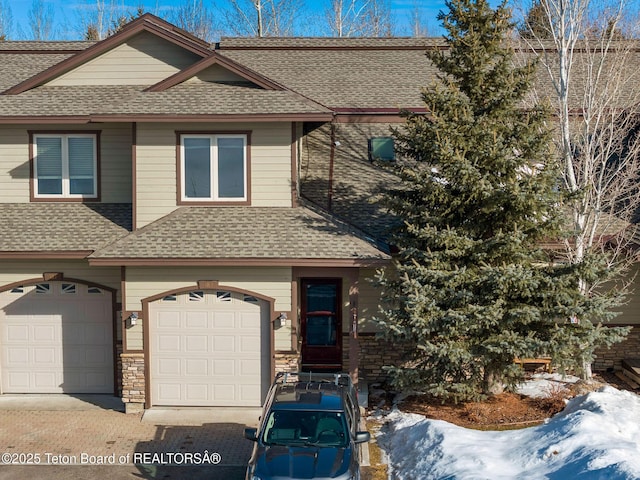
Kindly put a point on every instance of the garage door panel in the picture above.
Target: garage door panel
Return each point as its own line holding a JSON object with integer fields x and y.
{"x": 45, "y": 333}
{"x": 223, "y": 367}
{"x": 196, "y": 344}
{"x": 18, "y": 379}
{"x": 168, "y": 320}
{"x": 196, "y": 392}
{"x": 97, "y": 356}
{"x": 248, "y": 320}
{"x": 196, "y": 367}
{"x": 222, "y": 320}
{"x": 247, "y": 392}
{"x": 168, "y": 343}
{"x": 195, "y": 320}
{"x": 55, "y": 342}
{"x": 225, "y": 392}
{"x": 249, "y": 344}
{"x": 170, "y": 391}
{"x": 168, "y": 366}
{"x": 44, "y": 356}
{"x": 219, "y": 340}
{"x": 224, "y": 343}
{"x": 45, "y": 381}
{"x": 17, "y": 333}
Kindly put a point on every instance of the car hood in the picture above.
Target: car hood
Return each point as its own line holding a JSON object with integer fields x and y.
{"x": 302, "y": 462}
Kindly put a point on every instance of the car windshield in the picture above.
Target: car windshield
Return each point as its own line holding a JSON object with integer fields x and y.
{"x": 295, "y": 428}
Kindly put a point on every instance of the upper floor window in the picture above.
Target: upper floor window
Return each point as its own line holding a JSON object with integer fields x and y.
{"x": 381, "y": 148}
{"x": 65, "y": 165}
{"x": 213, "y": 167}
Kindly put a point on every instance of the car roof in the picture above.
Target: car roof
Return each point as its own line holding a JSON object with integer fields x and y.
{"x": 309, "y": 396}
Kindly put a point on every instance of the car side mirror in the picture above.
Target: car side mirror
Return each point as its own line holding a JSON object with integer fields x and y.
{"x": 361, "y": 437}
{"x": 251, "y": 434}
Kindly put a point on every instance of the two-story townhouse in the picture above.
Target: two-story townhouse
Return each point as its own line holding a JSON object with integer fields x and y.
{"x": 153, "y": 238}
{"x": 178, "y": 221}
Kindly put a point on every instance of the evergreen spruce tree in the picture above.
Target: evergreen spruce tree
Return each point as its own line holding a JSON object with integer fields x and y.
{"x": 472, "y": 288}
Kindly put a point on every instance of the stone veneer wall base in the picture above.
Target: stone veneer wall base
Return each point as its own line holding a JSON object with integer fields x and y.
{"x": 611, "y": 358}
{"x": 133, "y": 382}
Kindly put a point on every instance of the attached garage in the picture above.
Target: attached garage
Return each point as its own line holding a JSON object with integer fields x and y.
{"x": 56, "y": 337}
{"x": 209, "y": 348}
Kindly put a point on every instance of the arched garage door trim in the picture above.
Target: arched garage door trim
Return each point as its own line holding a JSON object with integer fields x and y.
{"x": 61, "y": 278}
{"x": 206, "y": 286}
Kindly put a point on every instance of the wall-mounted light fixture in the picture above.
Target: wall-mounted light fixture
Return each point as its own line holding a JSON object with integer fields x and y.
{"x": 281, "y": 320}
{"x": 132, "y": 319}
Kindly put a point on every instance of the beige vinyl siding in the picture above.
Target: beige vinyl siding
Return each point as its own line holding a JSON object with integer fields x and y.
{"x": 115, "y": 160}
{"x": 18, "y": 270}
{"x": 143, "y": 60}
{"x": 282, "y": 338}
{"x": 157, "y": 175}
{"x": 368, "y": 301}
{"x": 14, "y": 164}
{"x": 216, "y": 73}
{"x": 144, "y": 282}
{"x": 115, "y": 163}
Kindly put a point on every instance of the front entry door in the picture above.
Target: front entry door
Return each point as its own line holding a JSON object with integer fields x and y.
{"x": 321, "y": 325}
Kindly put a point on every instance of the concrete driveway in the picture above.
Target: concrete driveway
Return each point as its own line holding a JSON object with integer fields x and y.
{"x": 78, "y": 437}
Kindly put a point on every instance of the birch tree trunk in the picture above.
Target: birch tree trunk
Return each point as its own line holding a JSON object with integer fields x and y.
{"x": 595, "y": 75}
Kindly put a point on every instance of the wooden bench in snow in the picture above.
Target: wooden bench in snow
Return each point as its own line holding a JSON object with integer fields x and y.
{"x": 546, "y": 361}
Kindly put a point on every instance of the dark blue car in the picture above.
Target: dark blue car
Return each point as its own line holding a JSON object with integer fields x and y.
{"x": 308, "y": 430}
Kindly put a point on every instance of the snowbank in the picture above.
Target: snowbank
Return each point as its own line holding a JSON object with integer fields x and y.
{"x": 597, "y": 436}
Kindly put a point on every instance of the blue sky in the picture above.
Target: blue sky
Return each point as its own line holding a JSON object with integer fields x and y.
{"x": 67, "y": 12}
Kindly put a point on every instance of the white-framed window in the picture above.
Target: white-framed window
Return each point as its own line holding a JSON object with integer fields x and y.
{"x": 65, "y": 165}
{"x": 213, "y": 167}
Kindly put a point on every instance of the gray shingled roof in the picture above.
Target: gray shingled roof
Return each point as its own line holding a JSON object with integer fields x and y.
{"x": 23, "y": 45}
{"x": 18, "y": 67}
{"x": 198, "y": 98}
{"x": 60, "y": 227}
{"x": 342, "y": 78}
{"x": 207, "y": 98}
{"x": 66, "y": 101}
{"x": 370, "y": 73}
{"x": 243, "y": 233}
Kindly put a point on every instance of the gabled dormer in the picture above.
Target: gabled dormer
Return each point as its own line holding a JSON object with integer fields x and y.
{"x": 145, "y": 52}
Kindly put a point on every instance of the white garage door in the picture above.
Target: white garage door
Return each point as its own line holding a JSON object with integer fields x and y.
{"x": 56, "y": 337}
{"x": 209, "y": 348}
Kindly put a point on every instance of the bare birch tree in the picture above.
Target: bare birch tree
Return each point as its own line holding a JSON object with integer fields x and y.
{"x": 97, "y": 19}
{"x": 359, "y": 18}
{"x": 417, "y": 22}
{"x": 6, "y": 20}
{"x": 595, "y": 77}
{"x": 40, "y": 20}
{"x": 262, "y": 18}
{"x": 194, "y": 17}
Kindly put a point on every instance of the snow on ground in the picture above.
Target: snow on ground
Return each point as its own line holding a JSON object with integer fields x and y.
{"x": 597, "y": 436}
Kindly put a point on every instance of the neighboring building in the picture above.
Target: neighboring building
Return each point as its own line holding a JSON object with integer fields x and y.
{"x": 179, "y": 221}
